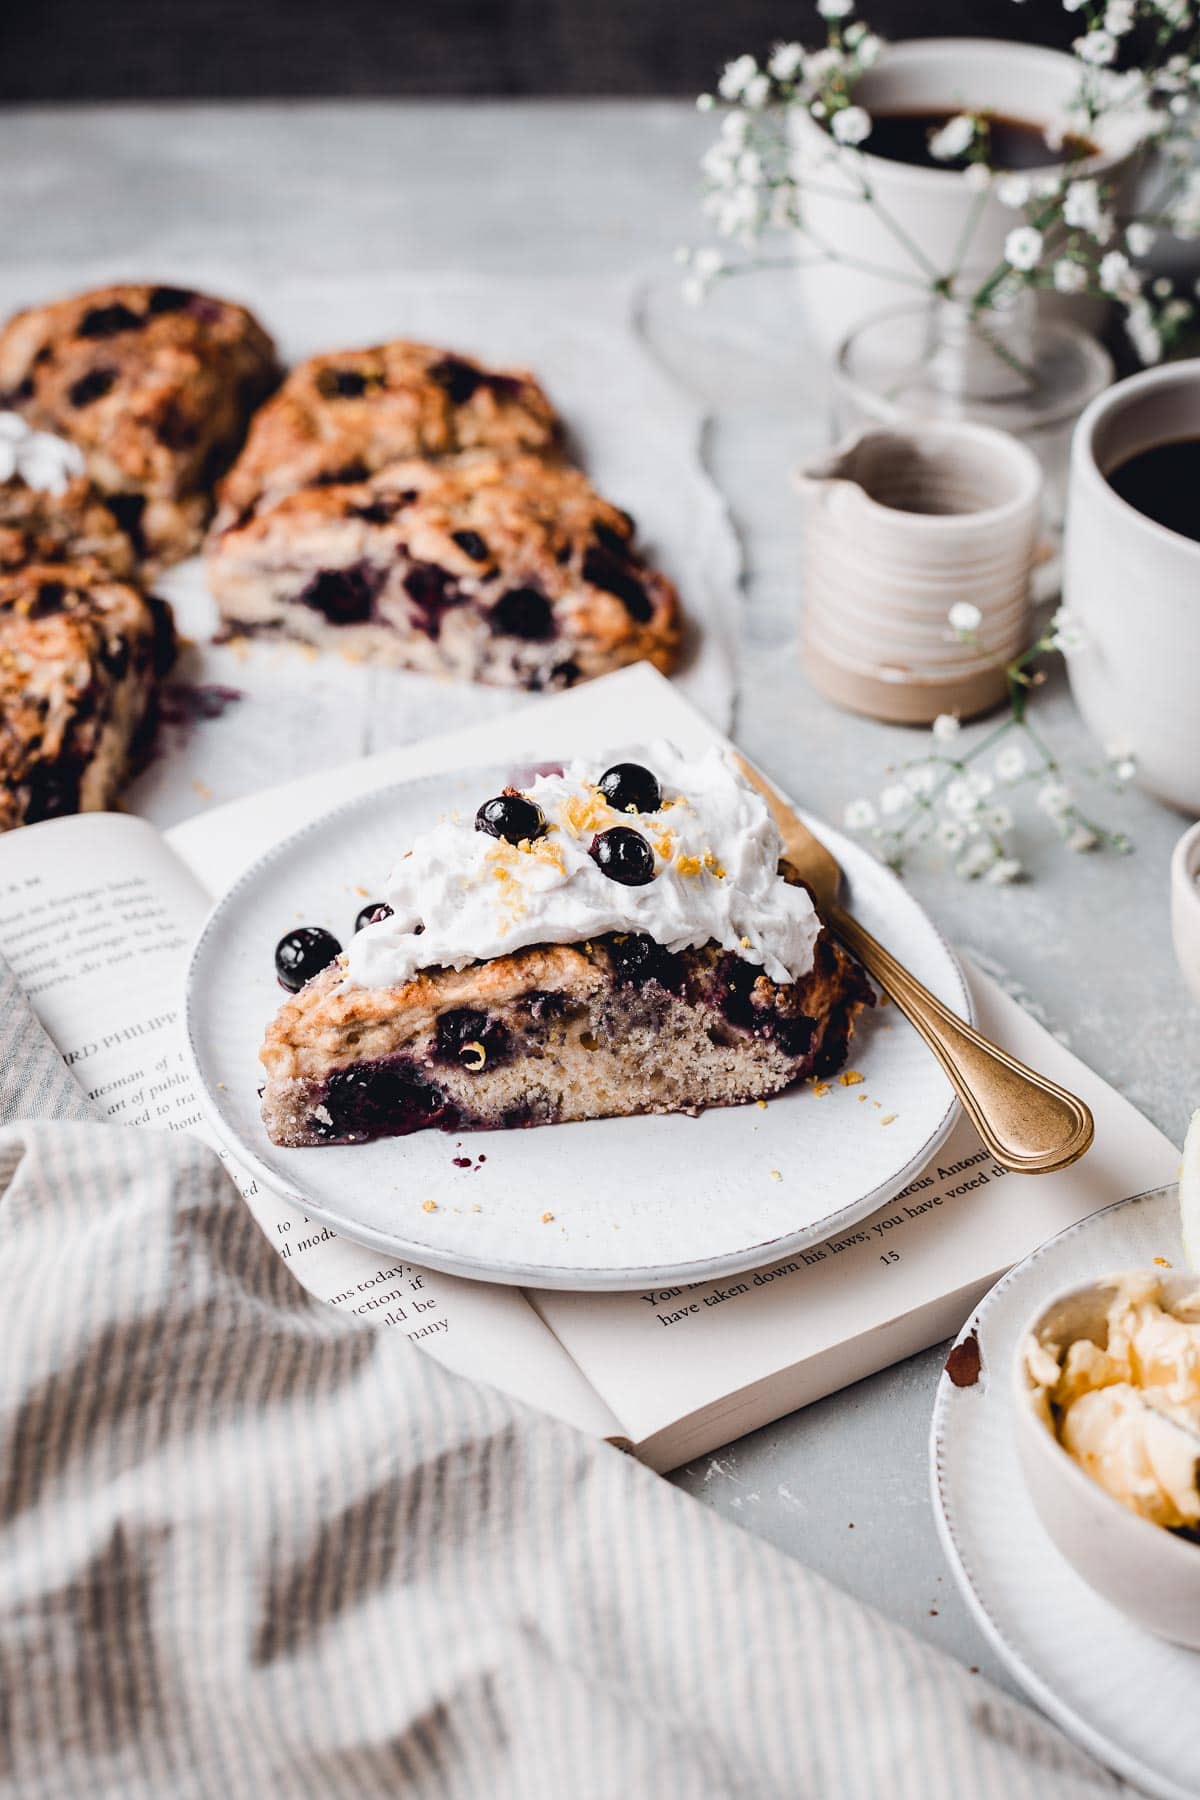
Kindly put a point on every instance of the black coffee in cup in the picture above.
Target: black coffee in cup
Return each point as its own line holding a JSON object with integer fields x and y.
{"x": 1163, "y": 483}
{"x": 903, "y": 136}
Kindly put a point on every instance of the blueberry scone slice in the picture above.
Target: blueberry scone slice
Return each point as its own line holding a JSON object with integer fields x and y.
{"x": 155, "y": 385}
{"x": 584, "y": 947}
{"x": 341, "y": 416}
{"x": 80, "y": 656}
{"x": 509, "y": 570}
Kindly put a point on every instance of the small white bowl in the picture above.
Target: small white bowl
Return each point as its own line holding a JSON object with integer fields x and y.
{"x": 1149, "y": 1573}
{"x": 1185, "y": 906}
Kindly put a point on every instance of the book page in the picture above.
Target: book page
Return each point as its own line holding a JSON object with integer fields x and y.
{"x": 729, "y": 1355}
{"x": 97, "y": 918}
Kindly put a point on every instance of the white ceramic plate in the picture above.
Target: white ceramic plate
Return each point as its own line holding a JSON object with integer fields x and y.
{"x": 635, "y": 1202}
{"x": 1128, "y": 1697}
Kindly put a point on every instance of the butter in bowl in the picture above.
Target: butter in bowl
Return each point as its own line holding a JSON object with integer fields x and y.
{"x": 1107, "y": 1418}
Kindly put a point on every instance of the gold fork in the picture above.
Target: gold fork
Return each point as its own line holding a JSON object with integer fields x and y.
{"x": 1030, "y": 1124}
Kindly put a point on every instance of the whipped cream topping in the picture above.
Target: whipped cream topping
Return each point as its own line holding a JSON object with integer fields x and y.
{"x": 716, "y": 879}
{"x": 41, "y": 460}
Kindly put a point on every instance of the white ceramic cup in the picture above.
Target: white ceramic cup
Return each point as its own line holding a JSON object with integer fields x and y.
{"x": 901, "y": 523}
{"x": 1149, "y": 1573}
{"x": 1135, "y": 588}
{"x": 931, "y": 208}
{"x": 1185, "y": 907}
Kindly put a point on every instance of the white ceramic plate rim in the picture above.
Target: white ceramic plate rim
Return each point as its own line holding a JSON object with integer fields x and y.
{"x": 1106, "y": 1749}
{"x": 523, "y": 1274}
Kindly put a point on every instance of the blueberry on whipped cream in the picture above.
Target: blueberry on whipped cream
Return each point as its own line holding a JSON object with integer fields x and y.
{"x": 512, "y": 817}
{"x": 623, "y": 855}
{"x": 523, "y": 872}
{"x": 630, "y": 788}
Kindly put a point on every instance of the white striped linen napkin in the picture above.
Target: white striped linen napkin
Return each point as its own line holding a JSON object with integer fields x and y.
{"x": 251, "y": 1545}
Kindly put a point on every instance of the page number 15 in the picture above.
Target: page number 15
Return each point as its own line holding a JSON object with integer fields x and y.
{"x": 890, "y": 1256}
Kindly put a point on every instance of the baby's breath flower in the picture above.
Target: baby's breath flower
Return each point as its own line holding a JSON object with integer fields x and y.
{"x": 1011, "y": 763}
{"x": 965, "y": 617}
{"x": 735, "y": 75}
{"x": 1116, "y": 275}
{"x": 946, "y": 727}
{"x": 1004, "y": 870}
{"x": 1081, "y": 838}
{"x": 999, "y": 819}
{"x": 977, "y": 861}
{"x": 894, "y": 798}
{"x": 1023, "y": 247}
{"x": 950, "y": 834}
{"x": 757, "y": 92}
{"x": 852, "y": 125}
{"x": 1139, "y": 238}
{"x": 1081, "y": 206}
{"x": 859, "y": 815}
{"x": 1098, "y": 47}
{"x": 835, "y": 9}
{"x": 953, "y": 139}
{"x": 961, "y": 799}
{"x": 1070, "y": 277}
{"x": 921, "y": 780}
{"x": 1054, "y": 798}
{"x": 1066, "y": 633}
{"x": 1144, "y": 334}
{"x": 1014, "y": 190}
{"x": 705, "y": 102}
{"x": 977, "y": 175}
{"x": 786, "y": 61}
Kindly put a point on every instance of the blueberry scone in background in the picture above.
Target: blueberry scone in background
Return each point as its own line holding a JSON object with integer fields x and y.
{"x": 510, "y": 570}
{"x": 155, "y": 385}
{"x": 49, "y": 509}
{"x": 604, "y": 941}
{"x": 341, "y": 416}
{"x": 80, "y": 656}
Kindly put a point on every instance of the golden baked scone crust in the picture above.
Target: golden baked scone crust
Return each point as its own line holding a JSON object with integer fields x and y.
{"x": 74, "y": 526}
{"x": 155, "y": 384}
{"x": 80, "y": 654}
{"x": 342, "y": 415}
{"x": 506, "y": 569}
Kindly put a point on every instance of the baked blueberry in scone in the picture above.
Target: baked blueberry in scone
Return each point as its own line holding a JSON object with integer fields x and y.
{"x": 155, "y": 385}
{"x": 80, "y": 657}
{"x": 589, "y": 945}
{"x": 509, "y": 570}
{"x": 49, "y": 510}
{"x": 341, "y": 416}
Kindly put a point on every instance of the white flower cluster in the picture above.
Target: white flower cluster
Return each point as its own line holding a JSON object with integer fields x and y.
{"x": 1071, "y": 238}
{"x": 959, "y": 799}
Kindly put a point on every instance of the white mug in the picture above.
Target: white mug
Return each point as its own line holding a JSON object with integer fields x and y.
{"x": 1134, "y": 586}
{"x": 930, "y": 209}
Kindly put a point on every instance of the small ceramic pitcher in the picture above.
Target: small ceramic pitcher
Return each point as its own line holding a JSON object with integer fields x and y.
{"x": 903, "y": 523}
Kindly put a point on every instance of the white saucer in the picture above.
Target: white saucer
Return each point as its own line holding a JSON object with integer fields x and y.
{"x": 1128, "y": 1697}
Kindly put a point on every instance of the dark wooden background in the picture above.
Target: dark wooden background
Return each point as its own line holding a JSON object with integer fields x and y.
{"x": 160, "y": 49}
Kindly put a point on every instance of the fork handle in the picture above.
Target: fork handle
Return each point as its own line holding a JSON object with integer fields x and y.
{"x": 1029, "y": 1124}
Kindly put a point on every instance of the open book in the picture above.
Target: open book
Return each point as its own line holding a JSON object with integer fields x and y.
{"x": 97, "y": 916}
